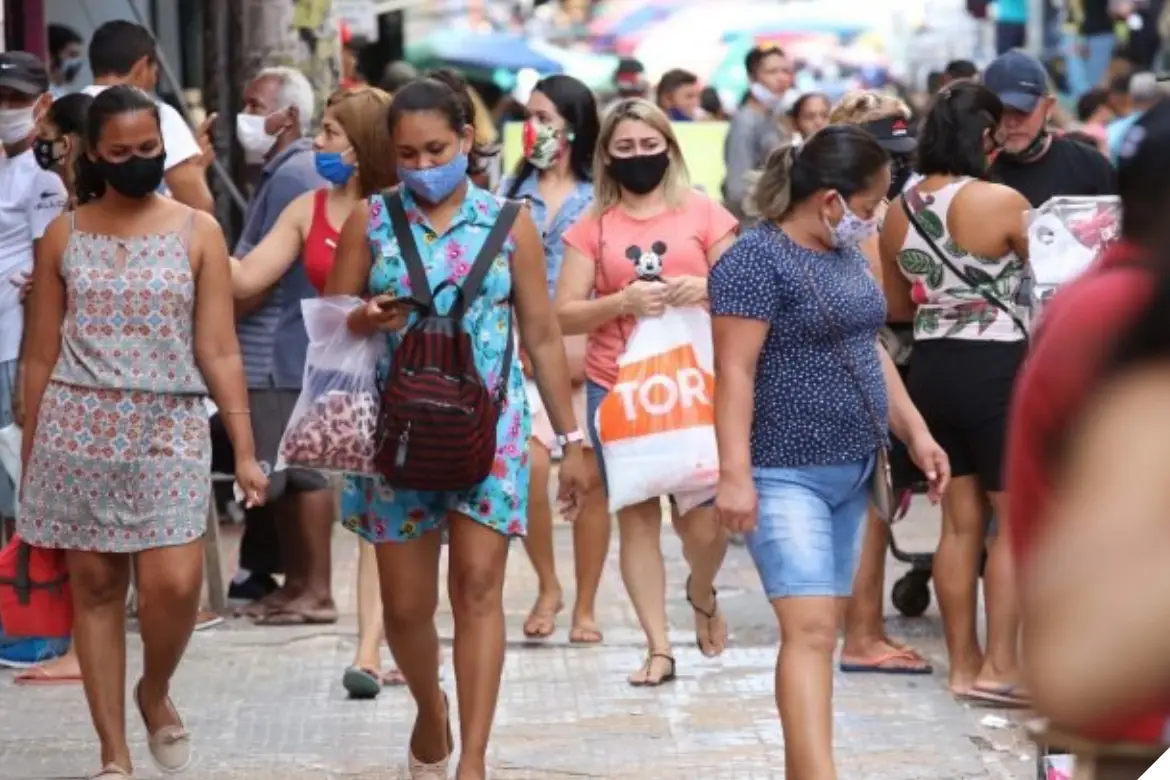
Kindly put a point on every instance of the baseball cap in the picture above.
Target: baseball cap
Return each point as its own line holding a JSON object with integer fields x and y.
{"x": 893, "y": 134}
{"x": 23, "y": 72}
{"x": 1018, "y": 79}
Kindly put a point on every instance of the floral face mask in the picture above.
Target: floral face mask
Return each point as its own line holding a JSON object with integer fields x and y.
{"x": 544, "y": 144}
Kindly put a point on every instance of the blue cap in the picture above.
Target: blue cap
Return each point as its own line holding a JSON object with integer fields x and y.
{"x": 1018, "y": 79}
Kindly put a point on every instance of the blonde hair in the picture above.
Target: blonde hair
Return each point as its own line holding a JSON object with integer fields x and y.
{"x": 862, "y": 106}
{"x": 362, "y": 113}
{"x": 677, "y": 182}
{"x": 770, "y": 189}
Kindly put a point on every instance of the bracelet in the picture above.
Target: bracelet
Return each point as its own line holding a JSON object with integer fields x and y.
{"x": 226, "y": 412}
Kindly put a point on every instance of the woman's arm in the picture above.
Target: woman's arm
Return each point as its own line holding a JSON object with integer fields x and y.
{"x": 738, "y": 342}
{"x": 577, "y": 311}
{"x": 217, "y": 350}
{"x": 46, "y": 305}
{"x": 267, "y": 262}
{"x": 352, "y": 262}
{"x": 1014, "y": 211}
{"x": 905, "y": 421}
{"x": 540, "y": 333}
{"x": 900, "y": 307}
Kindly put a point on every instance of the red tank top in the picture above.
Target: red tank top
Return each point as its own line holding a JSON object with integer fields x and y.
{"x": 320, "y": 244}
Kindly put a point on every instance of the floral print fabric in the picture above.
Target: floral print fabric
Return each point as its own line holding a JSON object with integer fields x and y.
{"x": 372, "y": 508}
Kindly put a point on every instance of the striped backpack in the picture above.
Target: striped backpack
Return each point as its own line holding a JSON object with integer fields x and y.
{"x": 437, "y": 423}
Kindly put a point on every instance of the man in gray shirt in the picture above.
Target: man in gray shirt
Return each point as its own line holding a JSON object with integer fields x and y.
{"x": 755, "y": 129}
{"x": 278, "y": 107}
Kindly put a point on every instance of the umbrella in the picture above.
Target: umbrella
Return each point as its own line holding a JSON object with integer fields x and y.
{"x": 481, "y": 52}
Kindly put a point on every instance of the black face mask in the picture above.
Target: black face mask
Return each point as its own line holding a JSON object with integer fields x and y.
{"x": 45, "y": 153}
{"x": 640, "y": 174}
{"x": 135, "y": 177}
{"x": 1034, "y": 152}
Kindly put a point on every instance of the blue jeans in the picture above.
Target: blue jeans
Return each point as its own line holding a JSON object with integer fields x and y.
{"x": 808, "y": 534}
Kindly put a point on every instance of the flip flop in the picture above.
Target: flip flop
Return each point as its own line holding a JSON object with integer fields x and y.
{"x": 361, "y": 683}
{"x": 1008, "y": 695}
{"x": 709, "y": 617}
{"x": 392, "y": 678}
{"x": 881, "y": 664}
{"x": 287, "y": 617}
{"x": 542, "y": 623}
{"x": 39, "y": 676}
{"x": 667, "y": 677}
{"x": 585, "y": 635}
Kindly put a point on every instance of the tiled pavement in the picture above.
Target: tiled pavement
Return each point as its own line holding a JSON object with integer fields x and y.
{"x": 266, "y": 703}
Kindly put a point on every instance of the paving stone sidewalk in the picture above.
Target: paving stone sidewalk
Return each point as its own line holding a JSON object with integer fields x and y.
{"x": 267, "y": 704}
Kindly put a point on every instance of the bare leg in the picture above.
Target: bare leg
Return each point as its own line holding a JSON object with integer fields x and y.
{"x": 956, "y": 577}
{"x": 644, "y": 574}
{"x": 804, "y": 684}
{"x": 477, "y": 559}
{"x": 866, "y": 643}
{"x": 1001, "y": 663}
{"x": 170, "y": 582}
{"x": 591, "y": 531}
{"x": 704, "y": 545}
{"x": 538, "y": 544}
{"x": 313, "y": 600}
{"x": 99, "y": 583}
{"x": 369, "y": 608}
{"x": 64, "y": 668}
{"x": 409, "y": 576}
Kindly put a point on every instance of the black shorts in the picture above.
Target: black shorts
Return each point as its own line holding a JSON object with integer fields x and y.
{"x": 963, "y": 389}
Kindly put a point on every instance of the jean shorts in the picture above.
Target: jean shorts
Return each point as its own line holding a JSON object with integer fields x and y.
{"x": 594, "y": 395}
{"x": 808, "y": 535}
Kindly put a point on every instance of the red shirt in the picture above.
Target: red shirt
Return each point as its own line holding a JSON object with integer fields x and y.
{"x": 1079, "y": 328}
{"x": 320, "y": 244}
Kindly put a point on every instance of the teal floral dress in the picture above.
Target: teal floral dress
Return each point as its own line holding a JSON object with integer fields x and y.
{"x": 369, "y": 506}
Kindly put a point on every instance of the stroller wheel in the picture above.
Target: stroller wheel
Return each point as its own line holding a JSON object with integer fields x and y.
{"x": 911, "y": 593}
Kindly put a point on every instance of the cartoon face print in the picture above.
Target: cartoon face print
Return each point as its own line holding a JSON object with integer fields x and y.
{"x": 648, "y": 264}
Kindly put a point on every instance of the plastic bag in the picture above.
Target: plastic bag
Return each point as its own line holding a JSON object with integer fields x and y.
{"x": 10, "y": 438}
{"x": 657, "y": 425}
{"x": 1066, "y": 236}
{"x": 332, "y": 425}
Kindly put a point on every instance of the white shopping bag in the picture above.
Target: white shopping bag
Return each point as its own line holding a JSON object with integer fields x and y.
{"x": 657, "y": 425}
{"x": 10, "y": 438}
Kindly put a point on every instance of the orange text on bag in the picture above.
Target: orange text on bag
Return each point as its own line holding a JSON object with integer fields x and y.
{"x": 661, "y": 393}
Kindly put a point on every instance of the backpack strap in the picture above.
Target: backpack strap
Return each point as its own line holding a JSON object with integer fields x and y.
{"x": 420, "y": 288}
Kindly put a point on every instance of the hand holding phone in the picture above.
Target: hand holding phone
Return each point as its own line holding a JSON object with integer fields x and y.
{"x": 388, "y": 312}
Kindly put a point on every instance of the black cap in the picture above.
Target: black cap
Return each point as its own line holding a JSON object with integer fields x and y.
{"x": 893, "y": 134}
{"x": 1018, "y": 79}
{"x": 23, "y": 72}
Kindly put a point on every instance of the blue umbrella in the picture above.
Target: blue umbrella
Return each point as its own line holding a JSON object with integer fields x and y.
{"x": 481, "y": 51}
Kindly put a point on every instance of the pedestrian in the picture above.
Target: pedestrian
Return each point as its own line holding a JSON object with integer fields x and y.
{"x": 1085, "y": 431}
{"x": 134, "y": 428}
{"x": 678, "y": 95}
{"x": 555, "y": 178}
{"x": 867, "y": 647}
{"x": 278, "y": 108}
{"x": 954, "y": 250}
{"x": 801, "y": 407}
{"x": 755, "y": 129}
{"x": 66, "y": 59}
{"x": 431, "y": 121}
{"x": 1144, "y": 91}
{"x": 809, "y": 113}
{"x": 712, "y": 105}
{"x": 642, "y": 199}
{"x": 122, "y": 52}
{"x": 350, "y": 154}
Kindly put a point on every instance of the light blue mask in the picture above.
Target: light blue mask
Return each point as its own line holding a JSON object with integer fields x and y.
{"x": 332, "y": 168}
{"x": 433, "y": 185}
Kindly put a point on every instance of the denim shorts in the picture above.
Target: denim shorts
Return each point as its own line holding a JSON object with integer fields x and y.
{"x": 594, "y": 395}
{"x": 808, "y": 534}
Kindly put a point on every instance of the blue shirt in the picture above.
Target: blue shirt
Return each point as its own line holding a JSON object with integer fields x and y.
{"x": 1115, "y": 133}
{"x": 273, "y": 340}
{"x": 810, "y": 408}
{"x": 571, "y": 210}
{"x": 1012, "y": 11}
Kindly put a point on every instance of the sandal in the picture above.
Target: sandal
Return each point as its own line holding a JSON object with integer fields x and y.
{"x": 112, "y": 772}
{"x": 710, "y": 617}
{"x": 541, "y": 623}
{"x": 363, "y": 684}
{"x": 585, "y": 635}
{"x": 669, "y": 676}
{"x": 170, "y": 746}
{"x": 417, "y": 770}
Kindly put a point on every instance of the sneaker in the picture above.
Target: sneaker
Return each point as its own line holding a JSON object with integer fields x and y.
{"x": 25, "y": 653}
{"x": 256, "y": 587}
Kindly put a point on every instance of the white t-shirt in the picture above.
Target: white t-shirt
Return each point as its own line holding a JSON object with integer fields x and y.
{"x": 30, "y": 198}
{"x": 178, "y": 138}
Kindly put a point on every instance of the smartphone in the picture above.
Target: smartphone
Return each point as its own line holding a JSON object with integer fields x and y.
{"x": 404, "y": 300}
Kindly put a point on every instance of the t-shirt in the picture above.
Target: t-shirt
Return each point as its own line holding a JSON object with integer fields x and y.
{"x": 178, "y": 138}
{"x": 1068, "y": 168}
{"x": 1012, "y": 11}
{"x": 1079, "y": 328}
{"x": 678, "y": 239}
{"x": 30, "y": 198}
{"x": 820, "y": 394}
{"x": 751, "y": 136}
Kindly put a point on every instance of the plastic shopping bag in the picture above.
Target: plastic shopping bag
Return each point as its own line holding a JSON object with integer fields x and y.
{"x": 332, "y": 425}
{"x": 657, "y": 425}
{"x": 10, "y": 438}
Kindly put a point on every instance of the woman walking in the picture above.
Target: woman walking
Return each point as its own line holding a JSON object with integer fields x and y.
{"x": 130, "y": 274}
{"x": 449, "y": 220}
{"x": 643, "y": 204}
{"x": 556, "y": 179}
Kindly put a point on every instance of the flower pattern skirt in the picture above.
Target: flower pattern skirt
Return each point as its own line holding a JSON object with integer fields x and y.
{"x": 117, "y": 471}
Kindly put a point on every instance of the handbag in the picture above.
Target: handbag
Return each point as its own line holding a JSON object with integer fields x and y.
{"x": 881, "y": 480}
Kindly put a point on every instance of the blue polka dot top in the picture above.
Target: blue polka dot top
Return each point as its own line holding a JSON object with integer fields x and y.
{"x": 809, "y": 408}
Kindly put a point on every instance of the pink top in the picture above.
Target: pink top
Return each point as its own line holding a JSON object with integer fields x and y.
{"x": 679, "y": 239}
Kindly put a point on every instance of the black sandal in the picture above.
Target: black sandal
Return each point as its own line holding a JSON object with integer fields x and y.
{"x": 666, "y": 678}
{"x": 710, "y": 616}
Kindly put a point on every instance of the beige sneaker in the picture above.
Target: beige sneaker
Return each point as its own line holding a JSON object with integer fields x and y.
{"x": 112, "y": 772}
{"x": 170, "y": 746}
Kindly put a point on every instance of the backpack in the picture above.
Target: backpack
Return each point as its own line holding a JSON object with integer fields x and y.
{"x": 436, "y": 428}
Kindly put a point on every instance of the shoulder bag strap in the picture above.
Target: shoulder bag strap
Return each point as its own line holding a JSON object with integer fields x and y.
{"x": 945, "y": 260}
{"x": 420, "y": 288}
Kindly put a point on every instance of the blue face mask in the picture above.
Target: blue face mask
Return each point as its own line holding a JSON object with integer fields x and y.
{"x": 678, "y": 115}
{"x": 434, "y": 184}
{"x": 332, "y": 168}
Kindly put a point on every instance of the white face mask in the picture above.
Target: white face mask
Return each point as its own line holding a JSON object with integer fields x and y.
{"x": 852, "y": 229}
{"x": 256, "y": 142}
{"x": 767, "y": 97}
{"x": 16, "y": 124}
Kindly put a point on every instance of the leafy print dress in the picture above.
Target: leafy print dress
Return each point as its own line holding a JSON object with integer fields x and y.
{"x": 950, "y": 307}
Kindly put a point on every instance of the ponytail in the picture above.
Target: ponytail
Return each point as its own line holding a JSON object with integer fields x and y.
{"x": 770, "y": 195}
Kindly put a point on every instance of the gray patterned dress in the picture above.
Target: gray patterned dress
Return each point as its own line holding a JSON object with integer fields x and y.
{"x": 122, "y": 453}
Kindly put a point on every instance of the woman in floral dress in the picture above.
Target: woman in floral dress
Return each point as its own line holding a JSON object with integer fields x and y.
{"x": 131, "y": 326}
{"x": 431, "y": 121}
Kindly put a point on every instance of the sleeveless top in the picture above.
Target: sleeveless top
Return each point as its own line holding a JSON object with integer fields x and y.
{"x": 320, "y": 243}
{"x": 947, "y": 306}
{"x": 129, "y": 313}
